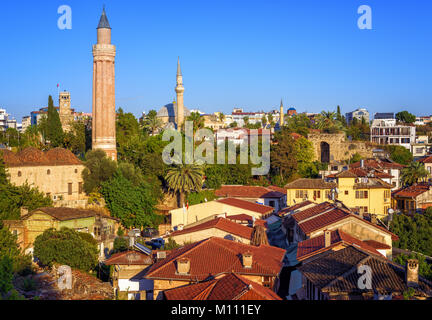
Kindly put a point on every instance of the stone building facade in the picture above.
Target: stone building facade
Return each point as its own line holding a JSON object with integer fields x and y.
{"x": 66, "y": 114}
{"x": 56, "y": 172}
{"x": 329, "y": 147}
{"x": 104, "y": 116}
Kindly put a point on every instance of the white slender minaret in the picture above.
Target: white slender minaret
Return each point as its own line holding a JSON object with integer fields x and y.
{"x": 281, "y": 116}
{"x": 179, "y": 89}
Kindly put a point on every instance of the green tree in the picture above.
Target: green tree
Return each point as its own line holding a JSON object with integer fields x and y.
{"x": 183, "y": 179}
{"x": 75, "y": 139}
{"x": 152, "y": 123}
{"x": 282, "y": 154}
{"x": 21, "y": 263}
{"x": 98, "y": 169}
{"x": 121, "y": 244}
{"x": 405, "y": 117}
{"x": 200, "y": 197}
{"x": 425, "y": 269}
{"x": 55, "y": 133}
{"x": 413, "y": 173}
{"x": 132, "y": 204}
{"x": 197, "y": 119}
{"x": 68, "y": 247}
{"x": 399, "y": 154}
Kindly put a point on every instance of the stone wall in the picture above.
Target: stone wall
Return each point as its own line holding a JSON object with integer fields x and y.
{"x": 340, "y": 148}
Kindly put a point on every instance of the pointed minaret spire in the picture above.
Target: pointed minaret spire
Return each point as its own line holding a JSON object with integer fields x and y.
{"x": 103, "y": 22}
{"x": 178, "y": 67}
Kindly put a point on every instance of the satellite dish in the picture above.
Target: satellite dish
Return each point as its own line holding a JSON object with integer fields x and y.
{"x": 390, "y": 211}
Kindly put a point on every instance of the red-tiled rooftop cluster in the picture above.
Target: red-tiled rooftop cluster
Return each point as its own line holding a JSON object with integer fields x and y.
{"x": 34, "y": 157}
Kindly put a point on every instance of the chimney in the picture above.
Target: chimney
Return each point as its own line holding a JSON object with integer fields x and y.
{"x": 327, "y": 238}
{"x": 362, "y": 163}
{"x": 23, "y": 211}
{"x": 412, "y": 270}
{"x": 247, "y": 259}
{"x": 183, "y": 266}
{"x": 373, "y": 218}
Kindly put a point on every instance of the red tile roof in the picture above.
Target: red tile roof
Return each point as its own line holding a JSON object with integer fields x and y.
{"x": 129, "y": 258}
{"x": 426, "y": 160}
{"x": 294, "y": 207}
{"x": 246, "y": 218}
{"x": 323, "y": 220}
{"x": 215, "y": 256}
{"x": 65, "y": 213}
{"x": 412, "y": 191}
{"x": 378, "y": 164}
{"x": 34, "y": 157}
{"x": 249, "y": 192}
{"x": 247, "y": 205}
{"x": 221, "y": 224}
{"x": 316, "y": 245}
{"x": 377, "y": 245}
{"x": 313, "y": 211}
{"x": 357, "y": 172}
{"x": 228, "y": 287}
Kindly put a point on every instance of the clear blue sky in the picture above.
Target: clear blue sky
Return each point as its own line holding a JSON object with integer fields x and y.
{"x": 234, "y": 53}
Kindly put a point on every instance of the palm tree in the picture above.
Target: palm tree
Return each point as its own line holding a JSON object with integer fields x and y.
{"x": 221, "y": 117}
{"x": 414, "y": 173}
{"x": 264, "y": 121}
{"x": 151, "y": 122}
{"x": 183, "y": 179}
{"x": 198, "y": 121}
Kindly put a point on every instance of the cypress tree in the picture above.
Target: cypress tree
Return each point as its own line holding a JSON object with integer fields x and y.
{"x": 54, "y": 127}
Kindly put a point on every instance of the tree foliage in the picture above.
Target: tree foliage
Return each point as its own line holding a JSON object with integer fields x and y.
{"x": 55, "y": 133}
{"x": 98, "y": 169}
{"x": 413, "y": 173}
{"x": 132, "y": 204}
{"x": 399, "y": 154}
{"x": 183, "y": 179}
{"x": 415, "y": 233}
{"x": 405, "y": 117}
{"x": 425, "y": 268}
{"x": 67, "y": 247}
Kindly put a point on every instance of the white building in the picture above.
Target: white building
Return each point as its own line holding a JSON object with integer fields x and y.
{"x": 386, "y": 131}
{"x": 358, "y": 114}
{"x": 3, "y": 119}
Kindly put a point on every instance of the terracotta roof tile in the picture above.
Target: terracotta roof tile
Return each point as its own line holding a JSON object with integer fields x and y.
{"x": 247, "y": 205}
{"x": 228, "y": 287}
{"x": 63, "y": 213}
{"x": 313, "y": 211}
{"x": 316, "y": 245}
{"x": 248, "y": 192}
{"x": 310, "y": 184}
{"x": 323, "y": 220}
{"x": 412, "y": 191}
{"x": 221, "y": 224}
{"x": 215, "y": 256}
{"x": 129, "y": 258}
{"x": 34, "y": 157}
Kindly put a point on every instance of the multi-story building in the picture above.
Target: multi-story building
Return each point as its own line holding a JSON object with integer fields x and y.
{"x": 360, "y": 194}
{"x": 25, "y": 123}
{"x": 421, "y": 146}
{"x": 3, "y": 120}
{"x": 357, "y": 114}
{"x": 386, "y": 131}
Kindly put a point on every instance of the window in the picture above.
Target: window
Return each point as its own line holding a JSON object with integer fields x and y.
{"x": 387, "y": 194}
{"x": 96, "y": 231}
{"x": 48, "y": 172}
{"x": 69, "y": 188}
{"x": 360, "y": 194}
{"x": 76, "y": 170}
{"x": 346, "y": 192}
{"x": 80, "y": 187}
{"x": 272, "y": 203}
{"x": 317, "y": 194}
{"x": 267, "y": 282}
{"x": 301, "y": 194}
{"x": 19, "y": 173}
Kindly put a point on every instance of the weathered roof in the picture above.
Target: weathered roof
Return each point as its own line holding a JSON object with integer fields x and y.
{"x": 310, "y": 184}
{"x": 129, "y": 257}
{"x": 316, "y": 245}
{"x": 228, "y": 287}
{"x": 63, "y": 213}
{"x": 34, "y": 157}
{"x": 221, "y": 224}
{"x": 337, "y": 271}
{"x": 412, "y": 191}
{"x": 246, "y": 205}
{"x": 249, "y": 191}
{"x": 215, "y": 256}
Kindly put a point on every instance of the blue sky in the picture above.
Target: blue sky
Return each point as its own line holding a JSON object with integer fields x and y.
{"x": 234, "y": 53}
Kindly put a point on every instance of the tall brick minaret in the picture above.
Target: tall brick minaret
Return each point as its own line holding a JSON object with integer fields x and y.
{"x": 104, "y": 116}
{"x": 179, "y": 89}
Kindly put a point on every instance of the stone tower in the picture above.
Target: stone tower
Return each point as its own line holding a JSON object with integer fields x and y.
{"x": 65, "y": 112}
{"x": 179, "y": 89}
{"x": 104, "y": 116}
{"x": 281, "y": 115}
